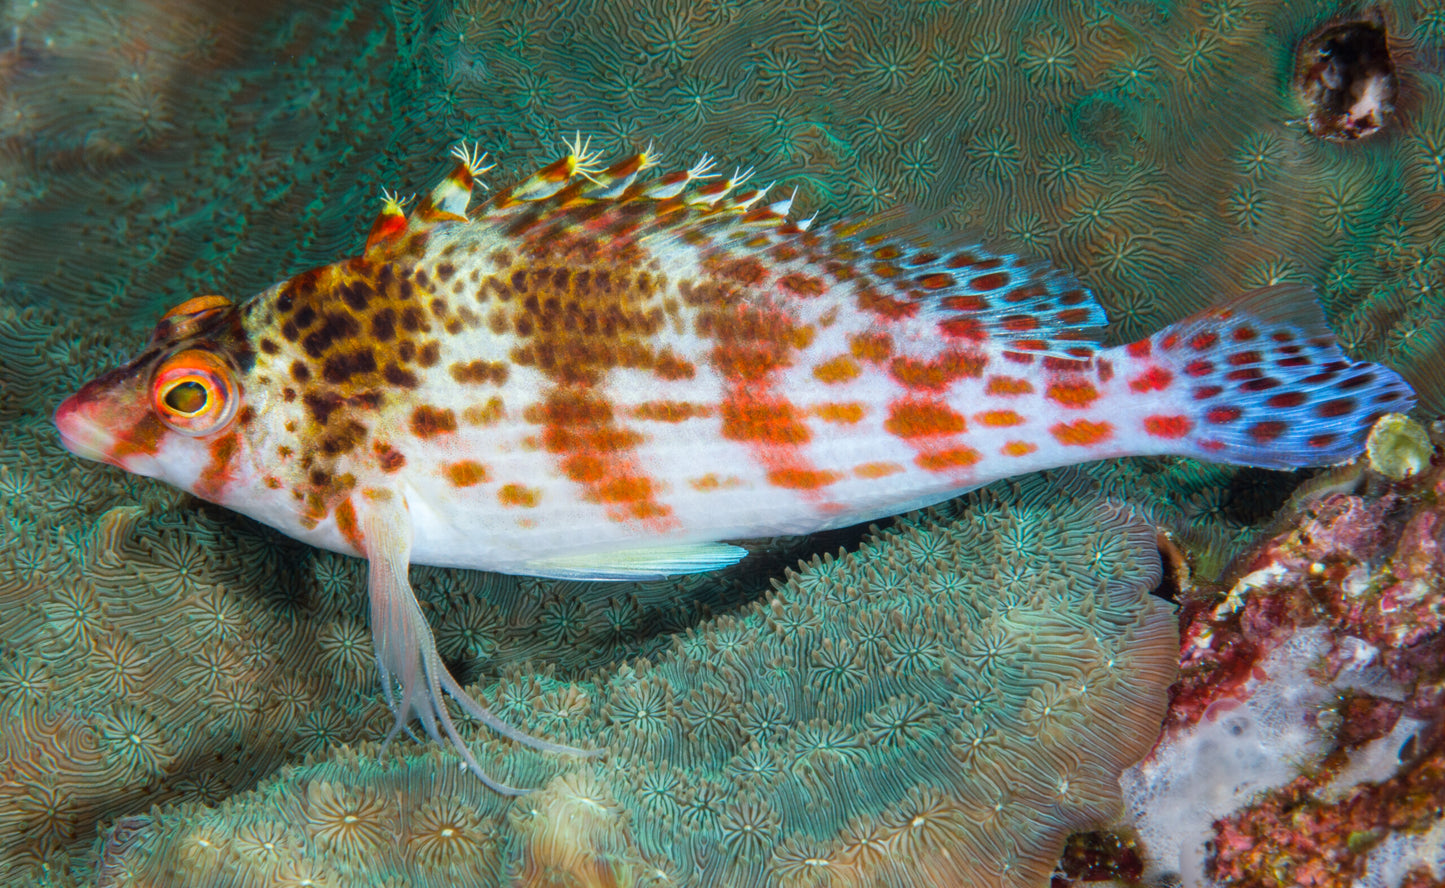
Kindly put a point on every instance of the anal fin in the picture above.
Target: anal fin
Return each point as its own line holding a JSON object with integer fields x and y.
{"x": 639, "y": 564}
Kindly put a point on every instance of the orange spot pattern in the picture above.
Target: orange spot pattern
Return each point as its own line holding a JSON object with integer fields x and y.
{"x": 1008, "y": 385}
{"x": 923, "y": 419}
{"x": 939, "y": 373}
{"x": 466, "y": 473}
{"x": 670, "y": 411}
{"x": 802, "y": 479}
{"x": 877, "y": 469}
{"x": 1074, "y": 394}
{"x": 837, "y": 370}
{"x": 875, "y": 347}
{"x": 1018, "y": 448}
{"x": 1081, "y": 432}
{"x": 846, "y": 413}
{"x": 517, "y": 495}
{"x": 999, "y": 419}
{"x": 945, "y": 460}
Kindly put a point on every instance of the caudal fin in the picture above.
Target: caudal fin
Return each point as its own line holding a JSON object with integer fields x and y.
{"x": 1264, "y": 383}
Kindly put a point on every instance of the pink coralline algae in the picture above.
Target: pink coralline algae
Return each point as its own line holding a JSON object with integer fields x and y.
{"x": 1303, "y": 744}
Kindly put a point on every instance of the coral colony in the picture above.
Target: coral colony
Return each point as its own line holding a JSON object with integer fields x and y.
{"x": 970, "y": 694}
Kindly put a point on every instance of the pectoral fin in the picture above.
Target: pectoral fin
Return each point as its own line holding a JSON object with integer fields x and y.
{"x": 639, "y": 564}
{"x": 412, "y": 674}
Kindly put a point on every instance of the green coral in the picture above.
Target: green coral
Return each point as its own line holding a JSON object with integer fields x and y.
{"x": 946, "y": 704}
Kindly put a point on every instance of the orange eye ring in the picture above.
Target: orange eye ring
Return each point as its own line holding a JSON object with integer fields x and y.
{"x": 194, "y": 392}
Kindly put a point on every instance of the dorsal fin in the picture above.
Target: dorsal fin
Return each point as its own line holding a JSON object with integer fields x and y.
{"x": 896, "y": 267}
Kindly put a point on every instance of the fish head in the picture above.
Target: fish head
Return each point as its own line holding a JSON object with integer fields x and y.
{"x": 170, "y": 411}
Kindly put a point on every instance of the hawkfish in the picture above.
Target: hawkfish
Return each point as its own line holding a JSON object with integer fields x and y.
{"x": 598, "y": 375}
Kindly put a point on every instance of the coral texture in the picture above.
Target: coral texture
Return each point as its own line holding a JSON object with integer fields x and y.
{"x": 942, "y": 706}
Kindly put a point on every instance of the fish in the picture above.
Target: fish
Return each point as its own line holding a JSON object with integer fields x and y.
{"x": 598, "y": 375}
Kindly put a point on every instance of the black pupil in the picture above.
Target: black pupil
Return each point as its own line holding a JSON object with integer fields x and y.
{"x": 186, "y": 397}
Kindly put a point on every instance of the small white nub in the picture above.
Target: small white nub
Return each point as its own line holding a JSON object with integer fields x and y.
{"x": 472, "y": 157}
{"x": 700, "y": 170}
{"x": 805, "y": 223}
{"x": 782, "y": 207}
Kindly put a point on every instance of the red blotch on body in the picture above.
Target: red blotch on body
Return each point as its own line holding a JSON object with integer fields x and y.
{"x": 347, "y": 526}
{"x": 947, "y": 460}
{"x": 1081, "y": 432}
{"x": 803, "y": 479}
{"x": 801, "y": 284}
{"x": 923, "y": 419}
{"x": 1154, "y": 379}
{"x": 963, "y": 328}
{"x": 1222, "y": 415}
{"x": 1138, "y": 349}
{"x": 213, "y": 477}
{"x": 1018, "y": 448}
{"x": 763, "y": 420}
{"x": 940, "y": 372}
{"x": 1074, "y": 394}
{"x": 1204, "y": 340}
{"x": 1168, "y": 426}
{"x": 1008, "y": 385}
{"x": 885, "y": 306}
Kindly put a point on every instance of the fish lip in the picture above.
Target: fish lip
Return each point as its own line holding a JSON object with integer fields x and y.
{"x": 78, "y": 434}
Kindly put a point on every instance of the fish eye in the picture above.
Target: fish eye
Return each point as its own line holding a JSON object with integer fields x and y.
{"x": 195, "y": 392}
{"x": 187, "y": 397}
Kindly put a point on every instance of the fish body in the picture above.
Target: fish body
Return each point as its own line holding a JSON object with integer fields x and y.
{"x": 591, "y": 377}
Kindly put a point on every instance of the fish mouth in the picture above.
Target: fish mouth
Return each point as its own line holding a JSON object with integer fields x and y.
{"x": 80, "y": 434}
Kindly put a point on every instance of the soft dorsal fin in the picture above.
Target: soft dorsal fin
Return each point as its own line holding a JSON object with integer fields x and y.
{"x": 639, "y": 564}
{"x": 976, "y": 293}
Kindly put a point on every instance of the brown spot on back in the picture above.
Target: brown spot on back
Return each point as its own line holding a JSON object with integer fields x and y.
{"x": 389, "y": 458}
{"x": 670, "y": 411}
{"x": 428, "y": 421}
{"x": 485, "y": 414}
{"x": 339, "y": 368}
{"x": 479, "y": 372}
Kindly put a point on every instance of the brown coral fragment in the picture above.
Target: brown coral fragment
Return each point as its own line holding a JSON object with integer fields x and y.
{"x": 1345, "y": 74}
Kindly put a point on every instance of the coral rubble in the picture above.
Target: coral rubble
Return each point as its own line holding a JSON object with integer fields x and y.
{"x": 1305, "y": 743}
